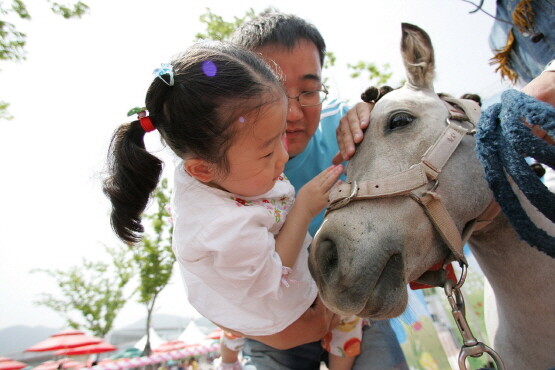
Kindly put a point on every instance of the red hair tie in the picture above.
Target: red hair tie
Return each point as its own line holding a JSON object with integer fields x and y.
{"x": 145, "y": 122}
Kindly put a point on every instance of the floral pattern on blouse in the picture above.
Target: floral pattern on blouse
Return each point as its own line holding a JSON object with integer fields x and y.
{"x": 274, "y": 206}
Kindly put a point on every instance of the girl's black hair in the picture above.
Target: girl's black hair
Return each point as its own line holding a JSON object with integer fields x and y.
{"x": 214, "y": 84}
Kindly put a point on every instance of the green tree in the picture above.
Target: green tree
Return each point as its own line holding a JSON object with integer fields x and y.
{"x": 219, "y": 29}
{"x": 91, "y": 294}
{"x": 375, "y": 75}
{"x": 12, "y": 41}
{"x": 153, "y": 255}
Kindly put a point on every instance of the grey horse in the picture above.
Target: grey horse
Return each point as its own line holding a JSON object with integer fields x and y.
{"x": 415, "y": 192}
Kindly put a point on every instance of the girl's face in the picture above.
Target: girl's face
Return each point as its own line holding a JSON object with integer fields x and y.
{"x": 259, "y": 153}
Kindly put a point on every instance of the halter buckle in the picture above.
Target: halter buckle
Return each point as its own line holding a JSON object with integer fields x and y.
{"x": 342, "y": 202}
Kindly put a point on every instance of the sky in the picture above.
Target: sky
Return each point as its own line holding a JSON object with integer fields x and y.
{"x": 82, "y": 76}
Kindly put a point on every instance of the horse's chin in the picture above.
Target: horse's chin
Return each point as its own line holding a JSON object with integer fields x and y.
{"x": 381, "y": 303}
{"x": 386, "y": 307}
{"x": 383, "y": 308}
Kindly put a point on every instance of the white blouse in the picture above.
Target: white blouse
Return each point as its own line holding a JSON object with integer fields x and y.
{"x": 225, "y": 247}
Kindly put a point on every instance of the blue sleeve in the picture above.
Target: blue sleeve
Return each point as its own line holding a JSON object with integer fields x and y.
{"x": 318, "y": 154}
{"x": 527, "y": 58}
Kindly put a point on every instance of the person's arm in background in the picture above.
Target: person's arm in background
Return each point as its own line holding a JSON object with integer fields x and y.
{"x": 310, "y": 327}
{"x": 543, "y": 88}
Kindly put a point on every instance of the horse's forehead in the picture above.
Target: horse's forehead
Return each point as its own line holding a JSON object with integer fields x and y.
{"x": 409, "y": 99}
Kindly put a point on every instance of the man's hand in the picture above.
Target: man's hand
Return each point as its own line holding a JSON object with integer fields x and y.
{"x": 350, "y": 130}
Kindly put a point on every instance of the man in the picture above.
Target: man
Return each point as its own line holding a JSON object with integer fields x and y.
{"x": 297, "y": 49}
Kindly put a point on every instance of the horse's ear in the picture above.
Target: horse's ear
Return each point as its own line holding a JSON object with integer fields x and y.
{"x": 418, "y": 56}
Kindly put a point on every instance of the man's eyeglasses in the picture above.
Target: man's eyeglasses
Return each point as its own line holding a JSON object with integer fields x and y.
{"x": 311, "y": 98}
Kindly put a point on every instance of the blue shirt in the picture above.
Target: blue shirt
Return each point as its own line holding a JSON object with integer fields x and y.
{"x": 527, "y": 58}
{"x": 318, "y": 153}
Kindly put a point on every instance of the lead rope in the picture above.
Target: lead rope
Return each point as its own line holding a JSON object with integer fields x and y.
{"x": 502, "y": 143}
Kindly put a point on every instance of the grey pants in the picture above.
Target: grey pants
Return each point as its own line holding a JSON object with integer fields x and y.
{"x": 380, "y": 350}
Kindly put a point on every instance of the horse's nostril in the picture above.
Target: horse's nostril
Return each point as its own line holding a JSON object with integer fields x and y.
{"x": 327, "y": 258}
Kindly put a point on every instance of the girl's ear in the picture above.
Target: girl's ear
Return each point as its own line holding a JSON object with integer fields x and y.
{"x": 199, "y": 169}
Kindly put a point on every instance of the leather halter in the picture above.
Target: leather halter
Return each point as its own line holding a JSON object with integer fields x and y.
{"x": 410, "y": 182}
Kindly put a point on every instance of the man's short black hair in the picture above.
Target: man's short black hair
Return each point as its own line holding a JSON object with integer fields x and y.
{"x": 273, "y": 27}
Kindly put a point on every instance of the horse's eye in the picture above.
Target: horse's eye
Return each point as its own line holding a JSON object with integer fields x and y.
{"x": 400, "y": 119}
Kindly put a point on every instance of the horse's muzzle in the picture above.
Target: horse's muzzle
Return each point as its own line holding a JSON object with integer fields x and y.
{"x": 349, "y": 284}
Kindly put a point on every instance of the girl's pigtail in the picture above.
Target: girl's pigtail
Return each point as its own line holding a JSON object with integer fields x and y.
{"x": 134, "y": 173}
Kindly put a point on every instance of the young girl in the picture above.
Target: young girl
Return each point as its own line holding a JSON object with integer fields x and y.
{"x": 223, "y": 111}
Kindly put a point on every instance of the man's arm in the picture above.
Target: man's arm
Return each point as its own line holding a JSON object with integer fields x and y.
{"x": 310, "y": 327}
{"x": 350, "y": 130}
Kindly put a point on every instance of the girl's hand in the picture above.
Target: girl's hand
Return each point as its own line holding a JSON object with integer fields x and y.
{"x": 313, "y": 196}
{"x": 310, "y": 200}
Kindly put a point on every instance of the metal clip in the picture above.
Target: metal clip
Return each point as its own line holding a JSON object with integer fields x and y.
{"x": 471, "y": 346}
{"x": 476, "y": 351}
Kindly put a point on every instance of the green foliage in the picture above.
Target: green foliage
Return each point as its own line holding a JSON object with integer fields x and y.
{"x": 217, "y": 28}
{"x": 12, "y": 41}
{"x": 329, "y": 60}
{"x": 68, "y": 11}
{"x": 377, "y": 76}
{"x": 4, "y": 114}
{"x": 153, "y": 255}
{"x": 91, "y": 294}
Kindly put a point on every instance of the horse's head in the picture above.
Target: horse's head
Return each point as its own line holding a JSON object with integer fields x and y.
{"x": 369, "y": 249}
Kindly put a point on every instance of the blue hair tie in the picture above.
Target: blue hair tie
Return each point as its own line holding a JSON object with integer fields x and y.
{"x": 165, "y": 73}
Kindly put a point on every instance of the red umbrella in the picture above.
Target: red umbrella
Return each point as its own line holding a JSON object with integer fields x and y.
{"x": 9, "y": 364}
{"x": 87, "y": 349}
{"x": 64, "y": 340}
{"x": 215, "y": 334}
{"x": 171, "y": 345}
{"x": 64, "y": 363}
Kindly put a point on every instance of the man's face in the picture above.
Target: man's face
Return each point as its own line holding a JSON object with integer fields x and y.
{"x": 302, "y": 72}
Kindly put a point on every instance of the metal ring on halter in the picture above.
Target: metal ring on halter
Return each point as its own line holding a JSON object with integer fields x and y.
{"x": 463, "y": 275}
{"x": 344, "y": 201}
{"x": 470, "y": 132}
{"x": 434, "y": 186}
{"x": 462, "y": 278}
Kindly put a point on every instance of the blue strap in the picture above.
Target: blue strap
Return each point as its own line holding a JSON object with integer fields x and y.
{"x": 502, "y": 143}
